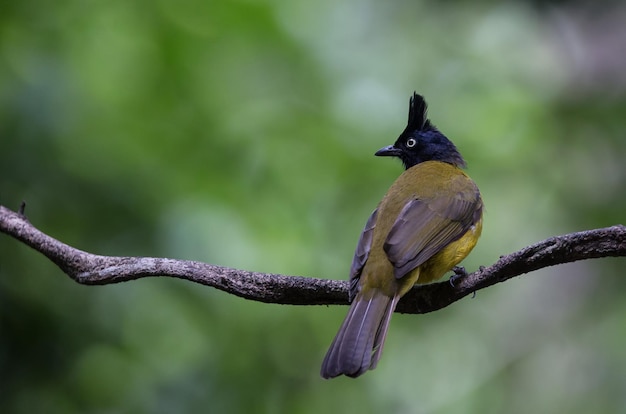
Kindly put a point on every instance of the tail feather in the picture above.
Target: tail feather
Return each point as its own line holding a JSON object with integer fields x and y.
{"x": 381, "y": 334}
{"x": 359, "y": 342}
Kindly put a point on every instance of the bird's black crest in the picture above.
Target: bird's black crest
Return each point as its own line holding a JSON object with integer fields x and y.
{"x": 418, "y": 113}
{"x": 430, "y": 144}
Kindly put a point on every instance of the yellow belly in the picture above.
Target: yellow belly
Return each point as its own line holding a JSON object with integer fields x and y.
{"x": 437, "y": 266}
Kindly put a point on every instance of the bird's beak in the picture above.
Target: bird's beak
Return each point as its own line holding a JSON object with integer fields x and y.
{"x": 388, "y": 151}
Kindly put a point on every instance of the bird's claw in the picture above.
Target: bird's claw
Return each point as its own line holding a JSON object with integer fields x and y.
{"x": 459, "y": 272}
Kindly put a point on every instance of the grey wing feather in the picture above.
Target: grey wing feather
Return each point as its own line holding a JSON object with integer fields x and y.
{"x": 422, "y": 229}
{"x": 361, "y": 254}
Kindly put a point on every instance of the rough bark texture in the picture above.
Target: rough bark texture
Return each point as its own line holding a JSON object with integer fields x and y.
{"x": 91, "y": 269}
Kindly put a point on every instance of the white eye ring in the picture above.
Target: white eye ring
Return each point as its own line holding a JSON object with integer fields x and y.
{"x": 410, "y": 143}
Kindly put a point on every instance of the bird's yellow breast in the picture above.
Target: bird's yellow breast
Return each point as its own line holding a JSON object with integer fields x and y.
{"x": 450, "y": 256}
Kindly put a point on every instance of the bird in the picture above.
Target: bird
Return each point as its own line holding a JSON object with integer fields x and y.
{"x": 428, "y": 222}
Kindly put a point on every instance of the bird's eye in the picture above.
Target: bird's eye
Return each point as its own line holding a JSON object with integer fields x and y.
{"x": 411, "y": 142}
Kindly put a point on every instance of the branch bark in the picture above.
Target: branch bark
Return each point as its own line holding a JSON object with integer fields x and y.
{"x": 92, "y": 269}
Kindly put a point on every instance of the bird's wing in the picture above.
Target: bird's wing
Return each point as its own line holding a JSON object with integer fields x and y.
{"x": 361, "y": 253}
{"x": 425, "y": 227}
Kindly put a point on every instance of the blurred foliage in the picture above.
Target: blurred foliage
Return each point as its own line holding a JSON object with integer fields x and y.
{"x": 241, "y": 133}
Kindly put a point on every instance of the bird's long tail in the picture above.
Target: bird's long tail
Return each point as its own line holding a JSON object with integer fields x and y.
{"x": 359, "y": 342}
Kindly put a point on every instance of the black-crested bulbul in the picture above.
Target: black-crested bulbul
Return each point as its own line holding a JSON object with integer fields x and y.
{"x": 429, "y": 220}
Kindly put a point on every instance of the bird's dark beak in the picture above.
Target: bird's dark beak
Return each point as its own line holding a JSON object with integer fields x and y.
{"x": 388, "y": 151}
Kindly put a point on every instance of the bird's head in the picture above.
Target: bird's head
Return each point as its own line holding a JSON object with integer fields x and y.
{"x": 421, "y": 140}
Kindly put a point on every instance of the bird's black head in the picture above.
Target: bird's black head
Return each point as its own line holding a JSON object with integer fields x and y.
{"x": 421, "y": 141}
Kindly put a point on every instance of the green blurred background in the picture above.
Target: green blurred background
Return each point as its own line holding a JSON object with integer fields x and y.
{"x": 242, "y": 133}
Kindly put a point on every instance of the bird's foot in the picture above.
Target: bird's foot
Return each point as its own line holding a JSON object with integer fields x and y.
{"x": 459, "y": 272}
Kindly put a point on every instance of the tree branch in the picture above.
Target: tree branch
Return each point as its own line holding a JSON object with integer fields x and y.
{"x": 91, "y": 269}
